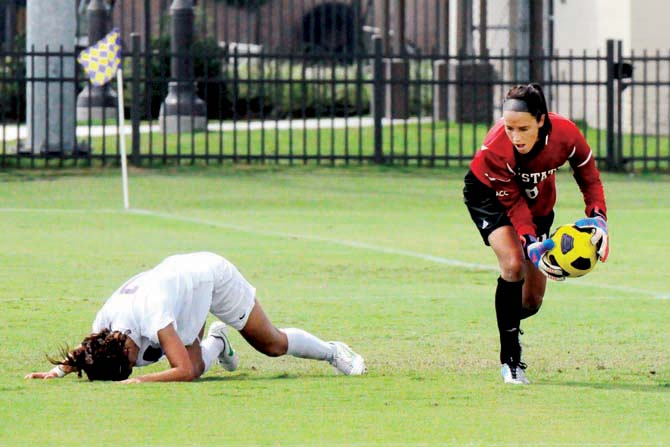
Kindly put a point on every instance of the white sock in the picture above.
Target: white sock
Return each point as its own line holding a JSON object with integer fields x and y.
{"x": 211, "y": 347}
{"x": 305, "y": 345}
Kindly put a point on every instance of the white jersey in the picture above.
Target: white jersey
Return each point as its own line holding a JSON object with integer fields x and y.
{"x": 178, "y": 291}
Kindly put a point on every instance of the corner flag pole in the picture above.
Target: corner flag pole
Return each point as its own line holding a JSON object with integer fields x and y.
{"x": 99, "y": 62}
{"x": 122, "y": 130}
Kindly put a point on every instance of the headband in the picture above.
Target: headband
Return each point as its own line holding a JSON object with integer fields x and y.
{"x": 515, "y": 105}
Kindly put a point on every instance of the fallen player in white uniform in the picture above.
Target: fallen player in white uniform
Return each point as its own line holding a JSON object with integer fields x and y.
{"x": 162, "y": 312}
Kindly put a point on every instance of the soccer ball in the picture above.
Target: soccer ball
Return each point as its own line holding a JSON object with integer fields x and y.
{"x": 573, "y": 251}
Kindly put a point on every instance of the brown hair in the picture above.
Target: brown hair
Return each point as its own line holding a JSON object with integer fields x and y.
{"x": 536, "y": 103}
{"x": 100, "y": 355}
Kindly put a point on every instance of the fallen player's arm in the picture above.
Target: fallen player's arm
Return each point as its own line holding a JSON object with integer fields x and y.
{"x": 181, "y": 367}
{"x": 56, "y": 372}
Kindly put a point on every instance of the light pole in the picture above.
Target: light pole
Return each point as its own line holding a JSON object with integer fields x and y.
{"x": 51, "y": 26}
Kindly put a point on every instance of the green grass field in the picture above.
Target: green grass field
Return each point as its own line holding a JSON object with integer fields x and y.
{"x": 384, "y": 259}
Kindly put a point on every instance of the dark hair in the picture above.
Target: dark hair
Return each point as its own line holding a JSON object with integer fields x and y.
{"x": 101, "y": 356}
{"x": 536, "y": 103}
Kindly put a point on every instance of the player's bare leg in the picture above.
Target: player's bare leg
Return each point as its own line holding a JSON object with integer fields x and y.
{"x": 267, "y": 339}
{"x": 508, "y": 301}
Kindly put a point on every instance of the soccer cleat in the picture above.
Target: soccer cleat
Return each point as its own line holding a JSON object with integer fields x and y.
{"x": 347, "y": 361}
{"x": 513, "y": 368}
{"x": 514, "y": 373}
{"x": 228, "y": 357}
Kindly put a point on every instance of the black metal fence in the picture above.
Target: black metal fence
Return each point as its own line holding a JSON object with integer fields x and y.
{"x": 316, "y": 107}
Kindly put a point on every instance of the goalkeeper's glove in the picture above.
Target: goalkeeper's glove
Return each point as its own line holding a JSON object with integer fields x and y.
{"x": 550, "y": 270}
{"x": 600, "y": 238}
{"x": 534, "y": 249}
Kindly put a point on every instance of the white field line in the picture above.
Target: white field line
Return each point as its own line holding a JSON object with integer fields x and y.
{"x": 9, "y": 132}
{"x": 354, "y": 244}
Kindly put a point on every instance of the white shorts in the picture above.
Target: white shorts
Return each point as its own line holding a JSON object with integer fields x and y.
{"x": 233, "y": 297}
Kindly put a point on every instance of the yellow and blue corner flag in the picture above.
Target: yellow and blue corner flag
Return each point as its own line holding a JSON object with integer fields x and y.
{"x": 101, "y": 60}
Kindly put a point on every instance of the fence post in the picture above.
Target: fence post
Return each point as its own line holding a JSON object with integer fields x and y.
{"x": 182, "y": 110}
{"x": 147, "y": 112}
{"x": 135, "y": 101}
{"x": 10, "y": 25}
{"x": 611, "y": 141}
{"x": 618, "y": 155}
{"x": 378, "y": 98}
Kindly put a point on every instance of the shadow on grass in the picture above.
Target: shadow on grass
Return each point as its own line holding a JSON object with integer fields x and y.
{"x": 282, "y": 376}
{"x": 659, "y": 387}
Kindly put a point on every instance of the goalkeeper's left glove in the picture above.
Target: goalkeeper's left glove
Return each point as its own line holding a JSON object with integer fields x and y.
{"x": 600, "y": 238}
{"x": 534, "y": 249}
{"x": 550, "y": 270}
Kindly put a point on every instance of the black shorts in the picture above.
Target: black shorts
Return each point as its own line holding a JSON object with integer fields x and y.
{"x": 488, "y": 213}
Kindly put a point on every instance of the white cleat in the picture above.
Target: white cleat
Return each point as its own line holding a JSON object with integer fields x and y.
{"x": 347, "y": 361}
{"x": 514, "y": 374}
{"x": 228, "y": 358}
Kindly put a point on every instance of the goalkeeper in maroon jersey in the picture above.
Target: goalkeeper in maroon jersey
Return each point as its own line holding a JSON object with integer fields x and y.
{"x": 510, "y": 192}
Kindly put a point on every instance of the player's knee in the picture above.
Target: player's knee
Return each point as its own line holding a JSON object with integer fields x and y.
{"x": 198, "y": 369}
{"x": 533, "y": 301}
{"x": 512, "y": 268}
{"x": 529, "y": 311}
{"x": 276, "y": 346}
{"x": 275, "y": 349}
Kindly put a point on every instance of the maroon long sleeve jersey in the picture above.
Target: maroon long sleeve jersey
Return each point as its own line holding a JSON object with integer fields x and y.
{"x": 526, "y": 184}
